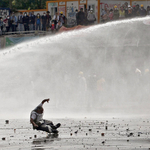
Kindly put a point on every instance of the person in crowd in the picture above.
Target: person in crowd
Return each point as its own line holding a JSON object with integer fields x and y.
{"x": 76, "y": 17}
{"x": 37, "y": 121}
{"x": 30, "y": 24}
{"x": 111, "y": 15}
{"x": 142, "y": 11}
{"x": 8, "y": 24}
{"x": 126, "y": 4}
{"x": 38, "y": 22}
{"x": 62, "y": 18}
{"x": 125, "y": 7}
{"x": 121, "y": 13}
{"x": 86, "y": 14}
{"x": 56, "y": 19}
{"x": 4, "y": 25}
{"x": 129, "y": 11}
{"x": 26, "y": 22}
{"x": 32, "y": 21}
{"x": 44, "y": 19}
{"x": 91, "y": 17}
{"x": 134, "y": 11}
{"x": 92, "y": 88}
{"x": 148, "y": 10}
{"x": 59, "y": 25}
{"x": 20, "y": 22}
{"x": 137, "y": 10}
{"x": 116, "y": 13}
{"x": 138, "y": 77}
{"x": 1, "y": 25}
{"x": 13, "y": 19}
{"x": 108, "y": 14}
{"x": 146, "y": 83}
{"x": 81, "y": 17}
{"x": 52, "y": 26}
{"x": 100, "y": 84}
{"x": 101, "y": 89}
{"x": 48, "y": 19}
{"x": 104, "y": 14}
{"x": 81, "y": 88}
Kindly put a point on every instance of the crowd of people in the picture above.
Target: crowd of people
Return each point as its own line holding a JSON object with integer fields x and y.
{"x": 134, "y": 88}
{"x": 86, "y": 17}
{"x": 125, "y": 11}
{"x": 29, "y": 22}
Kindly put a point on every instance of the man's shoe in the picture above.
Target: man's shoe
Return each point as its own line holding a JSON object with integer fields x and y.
{"x": 57, "y": 125}
{"x": 54, "y": 131}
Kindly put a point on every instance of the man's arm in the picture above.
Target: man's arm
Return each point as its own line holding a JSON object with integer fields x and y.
{"x": 45, "y": 100}
{"x": 33, "y": 123}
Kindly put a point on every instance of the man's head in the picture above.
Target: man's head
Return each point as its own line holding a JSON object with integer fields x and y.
{"x": 111, "y": 10}
{"x": 137, "y": 6}
{"x": 61, "y": 13}
{"x": 13, "y": 14}
{"x": 142, "y": 5}
{"x": 81, "y": 9}
{"x": 32, "y": 12}
{"x": 115, "y": 7}
{"x": 39, "y": 110}
{"x": 91, "y": 10}
{"x": 129, "y": 7}
{"x": 25, "y": 14}
{"x": 80, "y": 74}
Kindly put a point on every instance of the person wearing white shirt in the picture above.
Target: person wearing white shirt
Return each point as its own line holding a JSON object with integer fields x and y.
{"x": 36, "y": 119}
{"x": 56, "y": 19}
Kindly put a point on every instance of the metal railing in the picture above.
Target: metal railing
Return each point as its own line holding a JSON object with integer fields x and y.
{"x": 24, "y": 32}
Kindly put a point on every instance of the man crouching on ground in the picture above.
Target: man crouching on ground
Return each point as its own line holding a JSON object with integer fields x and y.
{"x": 36, "y": 118}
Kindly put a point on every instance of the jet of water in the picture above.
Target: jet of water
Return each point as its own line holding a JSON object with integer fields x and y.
{"x": 85, "y": 72}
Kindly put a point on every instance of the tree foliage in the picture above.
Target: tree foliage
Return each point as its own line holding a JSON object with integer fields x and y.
{"x": 24, "y": 4}
{"x": 4, "y": 3}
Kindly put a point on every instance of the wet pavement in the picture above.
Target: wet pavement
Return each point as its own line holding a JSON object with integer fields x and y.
{"x": 86, "y": 133}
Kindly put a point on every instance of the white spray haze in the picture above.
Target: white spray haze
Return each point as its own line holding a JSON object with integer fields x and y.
{"x": 49, "y": 68}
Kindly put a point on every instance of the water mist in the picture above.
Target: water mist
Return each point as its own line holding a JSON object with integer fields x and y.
{"x": 85, "y": 72}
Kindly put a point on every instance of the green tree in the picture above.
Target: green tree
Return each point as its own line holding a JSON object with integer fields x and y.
{"x": 4, "y": 3}
{"x": 24, "y": 4}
